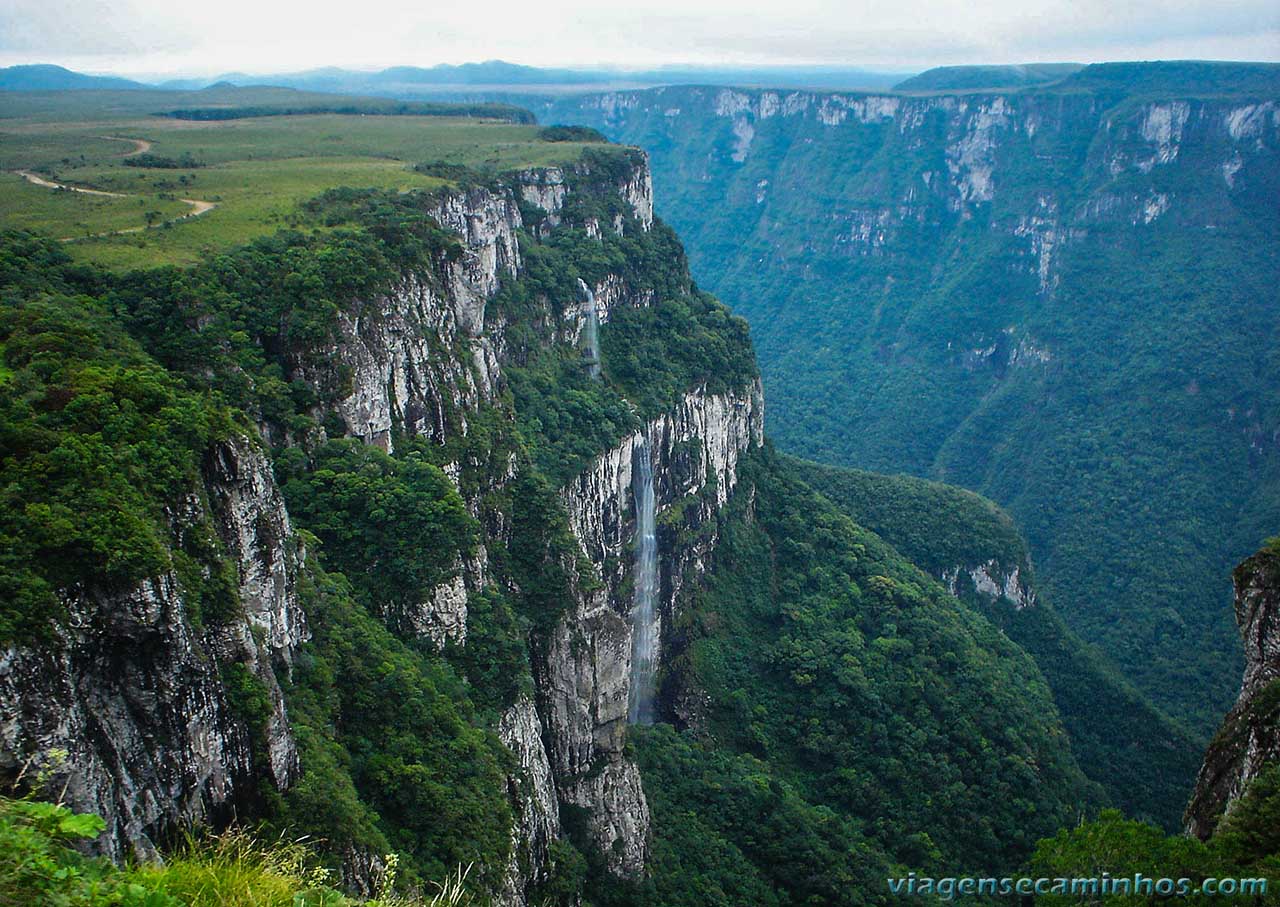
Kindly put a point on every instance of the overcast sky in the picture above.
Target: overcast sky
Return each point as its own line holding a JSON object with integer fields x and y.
{"x": 212, "y": 36}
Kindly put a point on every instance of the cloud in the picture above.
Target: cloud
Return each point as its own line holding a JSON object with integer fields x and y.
{"x": 149, "y": 35}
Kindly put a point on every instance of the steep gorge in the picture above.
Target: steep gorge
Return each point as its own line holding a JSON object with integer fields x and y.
{"x": 400, "y": 576}
{"x": 136, "y": 703}
{"x": 945, "y": 284}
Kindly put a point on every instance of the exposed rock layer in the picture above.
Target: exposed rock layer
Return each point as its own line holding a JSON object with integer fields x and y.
{"x": 136, "y": 693}
{"x": 129, "y": 709}
{"x": 1250, "y": 736}
{"x": 695, "y": 451}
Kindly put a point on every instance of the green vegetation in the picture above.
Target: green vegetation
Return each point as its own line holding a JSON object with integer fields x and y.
{"x": 732, "y": 829}
{"x": 986, "y": 78}
{"x": 243, "y": 322}
{"x": 843, "y": 717}
{"x": 567, "y": 417}
{"x": 396, "y": 739}
{"x": 1123, "y": 411}
{"x": 395, "y": 759}
{"x": 857, "y": 718}
{"x": 40, "y": 868}
{"x": 1184, "y": 77}
{"x": 570, "y": 134}
{"x": 1240, "y": 828}
{"x": 1143, "y": 761}
{"x": 76, "y": 215}
{"x": 396, "y": 756}
{"x": 395, "y": 526}
{"x": 258, "y": 170}
{"x": 820, "y": 729}
{"x": 505, "y": 112}
{"x": 663, "y": 338}
{"x": 158, "y": 162}
{"x": 657, "y": 354}
{"x": 98, "y": 440}
{"x": 1245, "y": 846}
{"x": 937, "y": 527}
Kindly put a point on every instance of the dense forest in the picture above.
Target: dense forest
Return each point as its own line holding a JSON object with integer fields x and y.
{"x": 114, "y": 398}
{"x": 1060, "y": 295}
{"x": 1139, "y": 757}
{"x": 318, "y": 582}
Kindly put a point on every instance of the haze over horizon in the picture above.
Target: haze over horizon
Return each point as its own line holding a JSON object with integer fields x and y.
{"x": 147, "y": 38}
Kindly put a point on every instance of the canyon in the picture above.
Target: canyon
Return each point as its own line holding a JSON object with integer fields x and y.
{"x": 456, "y": 534}
{"x": 944, "y": 284}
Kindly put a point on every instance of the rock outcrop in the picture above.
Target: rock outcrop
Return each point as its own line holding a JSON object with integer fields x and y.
{"x": 129, "y": 708}
{"x": 990, "y": 579}
{"x": 1249, "y": 738}
{"x": 138, "y": 706}
{"x": 533, "y": 792}
{"x": 416, "y": 359}
{"x": 421, "y": 357}
{"x": 695, "y": 452}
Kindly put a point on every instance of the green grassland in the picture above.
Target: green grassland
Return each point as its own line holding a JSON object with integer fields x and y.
{"x": 68, "y": 215}
{"x": 256, "y": 170}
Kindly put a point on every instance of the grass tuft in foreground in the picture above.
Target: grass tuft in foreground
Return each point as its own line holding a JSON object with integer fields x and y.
{"x": 40, "y": 867}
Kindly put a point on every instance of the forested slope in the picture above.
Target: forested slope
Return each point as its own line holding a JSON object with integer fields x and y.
{"x": 1061, "y": 296}
{"x": 1143, "y": 761}
{"x": 330, "y": 528}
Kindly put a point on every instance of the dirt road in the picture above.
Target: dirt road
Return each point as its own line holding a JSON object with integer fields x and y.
{"x": 140, "y": 146}
{"x": 198, "y": 206}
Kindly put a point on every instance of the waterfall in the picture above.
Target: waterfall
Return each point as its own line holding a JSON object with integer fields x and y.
{"x": 591, "y": 332}
{"x": 644, "y": 635}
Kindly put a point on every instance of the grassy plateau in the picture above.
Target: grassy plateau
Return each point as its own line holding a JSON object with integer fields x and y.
{"x": 163, "y": 190}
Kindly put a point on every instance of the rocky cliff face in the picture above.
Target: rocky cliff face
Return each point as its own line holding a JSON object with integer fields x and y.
{"x": 417, "y": 359}
{"x": 547, "y": 188}
{"x": 963, "y": 152}
{"x": 991, "y": 580}
{"x": 397, "y": 377}
{"x": 533, "y": 792}
{"x": 145, "y": 694}
{"x": 425, "y": 357}
{"x": 1250, "y": 736}
{"x": 695, "y": 451}
{"x": 421, "y": 361}
{"x": 129, "y": 708}
{"x": 954, "y": 273}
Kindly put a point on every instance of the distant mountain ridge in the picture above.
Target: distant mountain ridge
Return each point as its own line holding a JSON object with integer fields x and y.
{"x": 412, "y": 81}
{"x": 974, "y": 78}
{"x": 472, "y": 80}
{"x": 514, "y": 77}
{"x": 333, "y": 78}
{"x": 48, "y": 77}
{"x": 1179, "y": 77}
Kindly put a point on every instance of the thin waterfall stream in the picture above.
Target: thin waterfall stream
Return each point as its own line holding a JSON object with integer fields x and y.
{"x": 591, "y": 332}
{"x": 644, "y": 636}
